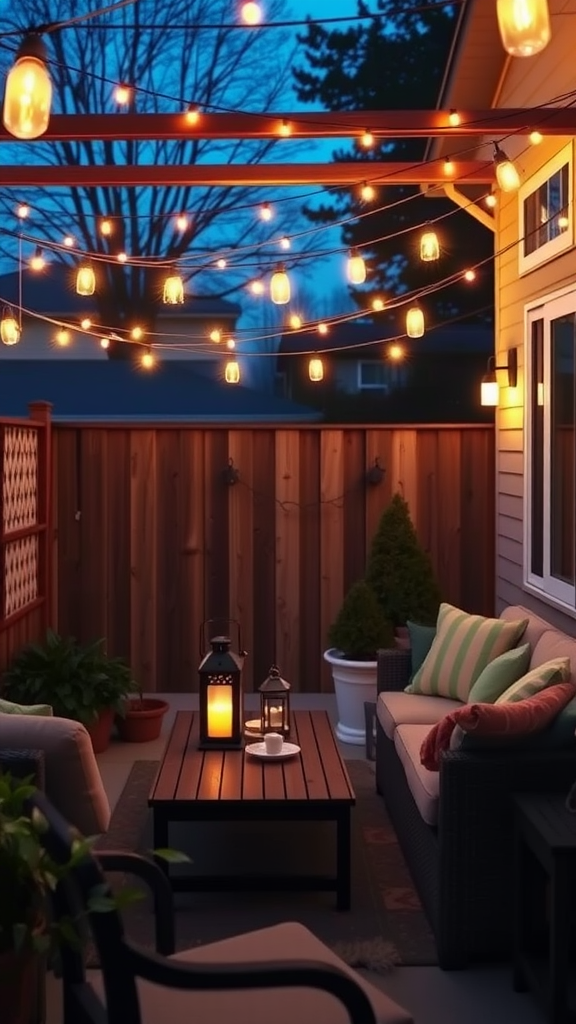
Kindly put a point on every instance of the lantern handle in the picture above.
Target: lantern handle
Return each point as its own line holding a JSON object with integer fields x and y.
{"x": 205, "y": 635}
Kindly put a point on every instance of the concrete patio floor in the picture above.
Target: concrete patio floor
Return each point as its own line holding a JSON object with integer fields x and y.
{"x": 431, "y": 995}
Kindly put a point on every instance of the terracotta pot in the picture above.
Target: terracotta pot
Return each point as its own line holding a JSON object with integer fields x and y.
{"x": 142, "y": 721}
{"x": 19, "y": 992}
{"x": 101, "y": 729}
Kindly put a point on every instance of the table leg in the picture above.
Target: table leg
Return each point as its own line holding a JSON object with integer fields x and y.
{"x": 560, "y": 917}
{"x": 343, "y": 879}
{"x": 520, "y": 910}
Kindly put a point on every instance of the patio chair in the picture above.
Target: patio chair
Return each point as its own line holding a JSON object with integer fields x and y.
{"x": 282, "y": 974}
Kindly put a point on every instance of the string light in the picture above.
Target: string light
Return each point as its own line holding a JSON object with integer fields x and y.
{"x": 122, "y": 257}
{"x": 123, "y": 94}
{"x": 377, "y": 304}
{"x": 215, "y": 336}
{"x": 37, "y": 262}
{"x": 449, "y": 167}
{"x": 367, "y": 140}
{"x": 395, "y": 352}
{"x": 230, "y": 344}
{"x": 315, "y": 369}
{"x": 86, "y": 323}
{"x": 356, "y": 268}
{"x": 251, "y": 13}
{"x": 105, "y": 343}
{"x": 221, "y": 263}
{"x": 106, "y": 227}
{"x": 524, "y": 26}
{"x": 23, "y": 210}
{"x": 429, "y": 247}
{"x": 9, "y": 327}
{"x": 28, "y": 91}
{"x": 295, "y": 322}
{"x": 69, "y": 241}
{"x": 536, "y": 138}
{"x": 368, "y": 192}
{"x": 506, "y": 174}
{"x": 136, "y": 333}
{"x": 285, "y": 242}
{"x": 147, "y": 360}
{"x": 85, "y": 280}
{"x": 62, "y": 337}
{"x": 257, "y": 287}
{"x": 232, "y": 372}
{"x": 285, "y": 128}
{"x": 280, "y": 286}
{"x": 173, "y": 291}
{"x": 322, "y": 328}
{"x": 182, "y": 222}
{"x": 266, "y": 212}
{"x": 454, "y": 118}
{"x": 490, "y": 200}
{"x": 469, "y": 275}
{"x": 192, "y": 115}
{"x": 415, "y": 322}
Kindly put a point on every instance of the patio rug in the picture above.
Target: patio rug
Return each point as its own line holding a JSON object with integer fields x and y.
{"x": 385, "y": 926}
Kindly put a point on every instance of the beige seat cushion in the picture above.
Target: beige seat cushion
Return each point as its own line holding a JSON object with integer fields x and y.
{"x": 424, "y": 784}
{"x": 400, "y": 708}
{"x": 282, "y": 942}
{"x": 554, "y": 644}
{"x": 73, "y": 782}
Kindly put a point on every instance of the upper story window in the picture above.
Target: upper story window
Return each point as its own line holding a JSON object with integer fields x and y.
{"x": 373, "y": 374}
{"x": 546, "y": 221}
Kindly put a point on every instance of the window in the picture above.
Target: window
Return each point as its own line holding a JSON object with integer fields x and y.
{"x": 546, "y": 222}
{"x": 373, "y": 374}
{"x": 551, "y": 449}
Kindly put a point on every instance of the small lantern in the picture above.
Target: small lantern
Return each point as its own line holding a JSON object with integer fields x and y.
{"x": 173, "y": 292}
{"x": 274, "y": 704}
{"x": 280, "y": 286}
{"x": 85, "y": 280}
{"x": 221, "y": 698}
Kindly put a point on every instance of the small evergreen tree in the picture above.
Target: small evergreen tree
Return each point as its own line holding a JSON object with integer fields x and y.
{"x": 360, "y": 627}
{"x": 400, "y": 571}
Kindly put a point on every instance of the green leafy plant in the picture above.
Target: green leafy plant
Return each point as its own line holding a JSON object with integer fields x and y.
{"x": 400, "y": 571}
{"x": 77, "y": 680}
{"x": 360, "y": 627}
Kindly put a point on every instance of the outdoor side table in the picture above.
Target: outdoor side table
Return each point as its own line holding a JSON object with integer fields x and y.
{"x": 544, "y": 880}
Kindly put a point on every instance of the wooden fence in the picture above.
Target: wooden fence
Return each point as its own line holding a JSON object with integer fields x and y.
{"x": 25, "y": 552}
{"x": 152, "y": 536}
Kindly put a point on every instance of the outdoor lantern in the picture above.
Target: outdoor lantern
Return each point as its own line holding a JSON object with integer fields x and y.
{"x": 315, "y": 369}
{"x": 524, "y": 26}
{"x": 280, "y": 286}
{"x": 356, "y": 268}
{"x": 173, "y": 293}
{"x": 28, "y": 91}
{"x": 9, "y": 327}
{"x": 489, "y": 388}
{"x": 274, "y": 704}
{"x": 221, "y": 699}
{"x": 415, "y": 322}
{"x": 85, "y": 280}
{"x": 429, "y": 247}
{"x": 232, "y": 372}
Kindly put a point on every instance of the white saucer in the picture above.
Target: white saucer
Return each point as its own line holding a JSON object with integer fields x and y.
{"x": 259, "y": 750}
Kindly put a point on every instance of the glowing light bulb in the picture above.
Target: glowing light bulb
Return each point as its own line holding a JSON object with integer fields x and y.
{"x": 280, "y": 286}
{"x": 85, "y": 280}
{"x": 395, "y": 352}
{"x": 22, "y": 211}
{"x": 506, "y": 174}
{"x": 536, "y": 138}
{"x": 429, "y": 247}
{"x": 232, "y": 372}
{"x": 230, "y": 343}
{"x": 449, "y": 167}
{"x": 69, "y": 241}
{"x": 121, "y": 257}
{"x": 37, "y": 262}
{"x": 315, "y": 369}
{"x": 221, "y": 263}
{"x": 215, "y": 336}
{"x": 285, "y": 128}
{"x": 9, "y": 327}
{"x": 377, "y": 305}
{"x": 192, "y": 115}
{"x": 490, "y": 200}
{"x": 86, "y": 323}
{"x": 453, "y": 118}
{"x": 524, "y": 26}
{"x": 28, "y": 91}
{"x": 257, "y": 287}
{"x": 106, "y": 227}
{"x": 295, "y": 322}
{"x": 104, "y": 342}
{"x": 367, "y": 140}
{"x": 123, "y": 94}
{"x": 285, "y": 243}
{"x": 368, "y": 192}
{"x": 147, "y": 360}
{"x": 62, "y": 337}
{"x": 182, "y": 222}
{"x": 356, "y": 268}
{"x": 322, "y": 328}
{"x": 173, "y": 292}
{"x": 563, "y": 221}
{"x": 470, "y": 275}
{"x": 251, "y": 13}
{"x": 415, "y": 322}
{"x": 266, "y": 212}
{"x": 136, "y": 333}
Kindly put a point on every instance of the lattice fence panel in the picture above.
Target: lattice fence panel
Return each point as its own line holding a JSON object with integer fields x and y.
{"x": 20, "y": 573}
{"x": 20, "y": 478}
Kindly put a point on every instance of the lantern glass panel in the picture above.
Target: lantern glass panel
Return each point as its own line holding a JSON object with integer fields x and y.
{"x": 220, "y": 697}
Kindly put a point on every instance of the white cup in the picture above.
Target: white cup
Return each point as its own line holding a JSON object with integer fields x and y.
{"x": 273, "y": 742}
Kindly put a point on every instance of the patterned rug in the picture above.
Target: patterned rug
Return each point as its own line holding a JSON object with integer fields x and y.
{"x": 386, "y": 925}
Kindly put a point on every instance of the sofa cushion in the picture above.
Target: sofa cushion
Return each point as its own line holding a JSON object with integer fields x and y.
{"x": 395, "y": 707}
{"x": 555, "y": 671}
{"x": 560, "y": 734}
{"x": 499, "y": 675}
{"x": 554, "y": 644}
{"x": 73, "y": 782}
{"x": 289, "y": 941}
{"x": 423, "y": 784}
{"x": 512, "y": 720}
{"x": 535, "y": 628}
{"x": 7, "y": 707}
{"x": 421, "y": 639}
{"x": 463, "y": 646}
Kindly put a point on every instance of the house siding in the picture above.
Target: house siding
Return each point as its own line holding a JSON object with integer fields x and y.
{"x": 526, "y": 83}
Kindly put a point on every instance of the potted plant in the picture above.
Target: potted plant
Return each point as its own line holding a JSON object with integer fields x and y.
{"x": 357, "y": 633}
{"x": 400, "y": 571}
{"x": 141, "y": 719}
{"x": 79, "y": 682}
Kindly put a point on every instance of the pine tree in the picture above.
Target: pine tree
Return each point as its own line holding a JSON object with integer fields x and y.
{"x": 360, "y": 627}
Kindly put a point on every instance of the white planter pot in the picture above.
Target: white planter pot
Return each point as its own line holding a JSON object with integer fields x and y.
{"x": 354, "y": 683}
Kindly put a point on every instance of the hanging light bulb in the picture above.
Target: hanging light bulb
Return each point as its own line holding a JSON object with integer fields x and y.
{"x": 506, "y": 174}
{"x": 536, "y": 138}
{"x": 123, "y": 94}
{"x": 136, "y": 333}
{"x": 23, "y": 210}
{"x": 285, "y": 128}
{"x": 449, "y": 166}
{"x": 266, "y": 212}
{"x": 85, "y": 280}
{"x": 230, "y": 344}
{"x": 9, "y": 327}
{"x": 232, "y": 372}
{"x": 395, "y": 353}
{"x": 257, "y": 287}
{"x": 315, "y": 369}
{"x": 524, "y": 26}
{"x": 367, "y": 140}
{"x": 147, "y": 360}
{"x": 356, "y": 268}
{"x": 429, "y": 247}
{"x": 368, "y": 192}
{"x": 69, "y": 241}
{"x": 104, "y": 343}
{"x": 221, "y": 263}
{"x": 62, "y": 337}
{"x": 215, "y": 336}
{"x": 251, "y": 13}
{"x": 173, "y": 292}
{"x": 37, "y": 263}
{"x": 86, "y": 323}
{"x": 192, "y": 115}
{"x": 377, "y": 304}
{"x": 453, "y": 118}
{"x": 295, "y": 322}
{"x": 322, "y": 328}
{"x": 28, "y": 91}
{"x": 106, "y": 227}
{"x": 280, "y": 286}
{"x": 490, "y": 200}
{"x": 182, "y": 222}
{"x": 122, "y": 257}
{"x": 285, "y": 242}
{"x": 415, "y": 322}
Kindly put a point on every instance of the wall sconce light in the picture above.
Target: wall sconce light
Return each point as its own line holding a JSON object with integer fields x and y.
{"x": 489, "y": 388}
{"x": 231, "y": 475}
{"x": 375, "y": 474}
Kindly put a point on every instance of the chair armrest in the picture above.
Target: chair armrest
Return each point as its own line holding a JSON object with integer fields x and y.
{"x": 394, "y": 667}
{"x": 21, "y": 763}
{"x": 157, "y": 882}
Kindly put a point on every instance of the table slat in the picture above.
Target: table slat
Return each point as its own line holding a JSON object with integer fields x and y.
{"x": 169, "y": 774}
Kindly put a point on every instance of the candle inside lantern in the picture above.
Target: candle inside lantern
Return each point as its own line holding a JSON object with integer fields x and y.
{"x": 219, "y": 712}
{"x": 275, "y": 717}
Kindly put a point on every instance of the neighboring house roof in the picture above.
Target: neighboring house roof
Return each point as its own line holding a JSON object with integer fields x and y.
{"x": 117, "y": 391}
{"x": 363, "y": 339}
{"x": 52, "y": 292}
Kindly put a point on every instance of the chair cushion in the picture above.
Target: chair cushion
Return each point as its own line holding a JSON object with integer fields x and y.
{"x": 463, "y": 646}
{"x": 395, "y": 707}
{"x": 283, "y": 942}
{"x": 423, "y": 783}
{"x": 8, "y": 707}
{"x": 73, "y": 782}
{"x": 555, "y": 671}
{"x": 421, "y": 639}
{"x": 499, "y": 675}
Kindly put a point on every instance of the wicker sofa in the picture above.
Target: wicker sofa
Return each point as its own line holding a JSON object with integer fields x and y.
{"x": 462, "y": 863}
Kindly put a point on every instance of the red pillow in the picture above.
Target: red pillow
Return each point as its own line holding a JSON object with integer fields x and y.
{"x": 514, "y": 719}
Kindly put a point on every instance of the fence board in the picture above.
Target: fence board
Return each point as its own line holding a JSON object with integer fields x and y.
{"x": 144, "y": 594}
{"x": 240, "y": 541}
{"x": 312, "y": 640}
{"x": 168, "y": 574}
{"x": 93, "y": 535}
{"x": 331, "y": 535}
{"x": 287, "y": 553}
{"x": 264, "y": 554}
{"x": 117, "y": 555}
{"x": 191, "y": 524}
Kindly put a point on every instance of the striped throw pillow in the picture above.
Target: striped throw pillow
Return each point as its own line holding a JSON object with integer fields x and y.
{"x": 557, "y": 670}
{"x": 464, "y": 644}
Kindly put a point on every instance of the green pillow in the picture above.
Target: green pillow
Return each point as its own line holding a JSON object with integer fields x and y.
{"x": 499, "y": 674}
{"x": 8, "y": 708}
{"x": 421, "y": 639}
{"x": 557, "y": 670}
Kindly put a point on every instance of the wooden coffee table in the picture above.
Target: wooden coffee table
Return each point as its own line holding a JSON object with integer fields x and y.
{"x": 217, "y": 785}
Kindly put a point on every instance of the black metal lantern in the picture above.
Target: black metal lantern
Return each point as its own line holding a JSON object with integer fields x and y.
{"x": 221, "y": 697}
{"x": 275, "y": 704}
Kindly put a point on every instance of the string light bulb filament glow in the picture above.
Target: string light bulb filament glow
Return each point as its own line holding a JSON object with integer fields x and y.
{"x": 62, "y": 337}
{"x": 192, "y": 115}
{"x": 105, "y": 343}
{"x": 173, "y": 292}
{"x": 23, "y": 211}
{"x": 490, "y": 200}
{"x": 453, "y": 118}
{"x": 415, "y": 322}
{"x": 230, "y": 344}
{"x": 9, "y": 327}
{"x": 136, "y": 333}
{"x": 215, "y": 336}
{"x": 524, "y": 26}
{"x": 69, "y": 241}
{"x": 147, "y": 360}
{"x": 315, "y": 369}
{"x": 322, "y": 328}
{"x": 536, "y": 138}
{"x": 122, "y": 257}
{"x": 106, "y": 227}
{"x": 37, "y": 263}
{"x": 257, "y": 287}
{"x": 266, "y": 212}
{"x": 285, "y": 242}
{"x": 182, "y": 222}
{"x": 123, "y": 94}
{"x": 449, "y": 167}
{"x": 28, "y": 91}
{"x": 368, "y": 192}
{"x": 280, "y": 286}
{"x": 506, "y": 174}
{"x": 395, "y": 352}
{"x": 295, "y": 322}
{"x": 251, "y": 12}
{"x": 85, "y": 280}
{"x": 221, "y": 263}
{"x": 367, "y": 140}
{"x": 86, "y": 323}
{"x": 470, "y": 275}
{"x": 285, "y": 129}
{"x": 429, "y": 247}
{"x": 232, "y": 372}
{"x": 356, "y": 268}
{"x": 377, "y": 305}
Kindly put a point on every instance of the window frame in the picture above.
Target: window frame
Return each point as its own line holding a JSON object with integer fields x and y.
{"x": 546, "y": 587}
{"x": 385, "y": 386}
{"x": 555, "y": 246}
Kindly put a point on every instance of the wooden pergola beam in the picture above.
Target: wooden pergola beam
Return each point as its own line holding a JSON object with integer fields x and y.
{"x": 465, "y": 172}
{"x": 321, "y": 125}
